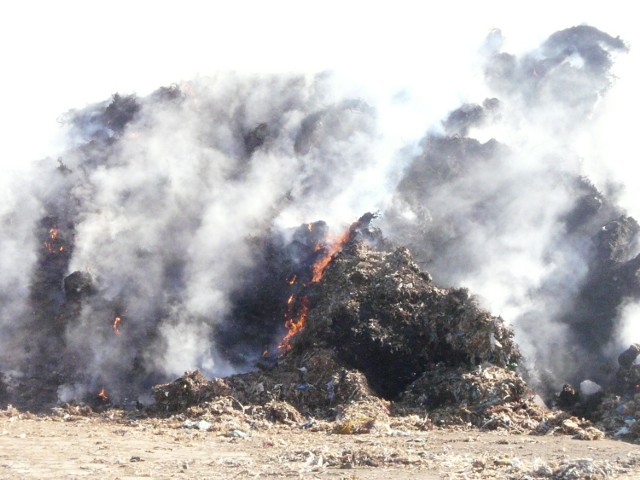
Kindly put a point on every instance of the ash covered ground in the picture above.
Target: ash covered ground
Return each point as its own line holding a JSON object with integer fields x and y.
{"x": 204, "y": 253}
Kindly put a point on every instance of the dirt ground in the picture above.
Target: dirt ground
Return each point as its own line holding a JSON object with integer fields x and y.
{"x": 111, "y": 447}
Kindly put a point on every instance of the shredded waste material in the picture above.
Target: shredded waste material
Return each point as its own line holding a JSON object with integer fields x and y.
{"x": 383, "y": 348}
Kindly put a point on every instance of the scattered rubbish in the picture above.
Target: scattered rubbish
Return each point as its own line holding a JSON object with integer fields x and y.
{"x": 190, "y": 389}
{"x": 201, "y": 425}
{"x": 580, "y": 469}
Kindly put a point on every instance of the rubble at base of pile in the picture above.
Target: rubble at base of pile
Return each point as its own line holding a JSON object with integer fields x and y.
{"x": 488, "y": 398}
{"x": 282, "y": 412}
{"x": 365, "y": 416}
{"x": 190, "y": 389}
{"x": 384, "y": 317}
{"x": 618, "y": 416}
{"x": 12, "y": 412}
{"x": 483, "y": 386}
{"x": 313, "y": 386}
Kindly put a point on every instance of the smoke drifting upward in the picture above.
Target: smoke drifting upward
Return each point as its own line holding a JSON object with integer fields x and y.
{"x": 160, "y": 241}
{"x": 159, "y": 210}
{"x": 514, "y": 218}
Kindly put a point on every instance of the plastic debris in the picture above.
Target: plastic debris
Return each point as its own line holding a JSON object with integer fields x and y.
{"x": 201, "y": 425}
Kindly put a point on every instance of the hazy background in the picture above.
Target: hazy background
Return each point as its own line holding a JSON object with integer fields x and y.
{"x": 67, "y": 54}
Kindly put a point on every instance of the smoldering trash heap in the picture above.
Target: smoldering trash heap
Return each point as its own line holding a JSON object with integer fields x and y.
{"x": 259, "y": 244}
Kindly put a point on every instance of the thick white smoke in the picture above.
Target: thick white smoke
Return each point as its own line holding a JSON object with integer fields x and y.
{"x": 162, "y": 200}
{"x": 515, "y": 220}
{"x": 18, "y": 209}
{"x": 169, "y": 207}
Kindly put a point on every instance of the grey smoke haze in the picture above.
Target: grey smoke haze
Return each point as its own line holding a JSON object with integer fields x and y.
{"x": 18, "y": 208}
{"x": 165, "y": 200}
{"x": 161, "y": 202}
{"x": 512, "y": 217}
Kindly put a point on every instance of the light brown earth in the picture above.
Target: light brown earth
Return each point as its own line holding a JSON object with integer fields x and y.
{"x": 97, "y": 446}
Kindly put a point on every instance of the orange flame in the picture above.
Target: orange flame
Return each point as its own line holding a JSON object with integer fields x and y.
{"x": 294, "y": 327}
{"x": 52, "y": 244}
{"x": 292, "y": 280}
{"x": 321, "y": 264}
{"x": 103, "y": 395}
{"x": 116, "y": 325}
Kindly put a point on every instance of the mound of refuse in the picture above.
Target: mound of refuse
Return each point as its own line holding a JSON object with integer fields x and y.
{"x": 382, "y": 344}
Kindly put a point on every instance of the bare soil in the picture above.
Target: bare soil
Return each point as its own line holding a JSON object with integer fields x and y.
{"x": 110, "y": 446}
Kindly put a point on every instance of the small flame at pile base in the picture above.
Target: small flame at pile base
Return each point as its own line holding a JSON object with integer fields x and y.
{"x": 103, "y": 395}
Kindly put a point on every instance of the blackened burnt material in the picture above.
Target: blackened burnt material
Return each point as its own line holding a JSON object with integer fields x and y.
{"x": 613, "y": 278}
{"x": 77, "y": 285}
{"x": 385, "y": 317}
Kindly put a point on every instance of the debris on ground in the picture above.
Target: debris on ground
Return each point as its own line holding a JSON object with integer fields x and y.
{"x": 190, "y": 389}
{"x": 619, "y": 414}
{"x": 364, "y": 416}
{"x": 582, "y": 469}
{"x": 618, "y": 411}
{"x": 202, "y": 425}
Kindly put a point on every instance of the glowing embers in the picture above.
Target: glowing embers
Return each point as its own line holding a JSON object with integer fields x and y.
{"x": 117, "y": 321}
{"x": 298, "y": 304}
{"x": 297, "y": 311}
{"x": 53, "y": 244}
{"x": 294, "y": 323}
{"x": 103, "y": 395}
{"x": 334, "y": 247}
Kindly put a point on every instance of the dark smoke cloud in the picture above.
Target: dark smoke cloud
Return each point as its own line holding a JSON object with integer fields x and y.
{"x": 177, "y": 214}
{"x": 159, "y": 208}
{"x": 513, "y": 217}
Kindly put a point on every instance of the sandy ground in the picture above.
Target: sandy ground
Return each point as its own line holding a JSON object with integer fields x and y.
{"x": 97, "y": 447}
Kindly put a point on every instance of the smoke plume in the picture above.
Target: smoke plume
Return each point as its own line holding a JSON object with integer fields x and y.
{"x": 159, "y": 241}
{"x": 513, "y": 217}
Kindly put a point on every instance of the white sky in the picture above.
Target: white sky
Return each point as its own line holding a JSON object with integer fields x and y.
{"x": 64, "y": 54}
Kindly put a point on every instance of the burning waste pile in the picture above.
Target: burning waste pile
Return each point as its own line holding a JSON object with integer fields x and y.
{"x": 172, "y": 237}
{"x": 375, "y": 342}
